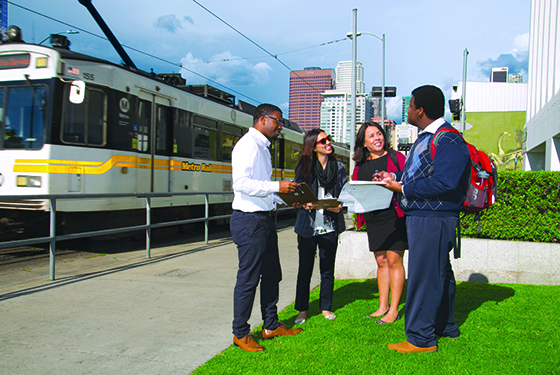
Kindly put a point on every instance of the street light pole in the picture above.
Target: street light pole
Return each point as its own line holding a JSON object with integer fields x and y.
{"x": 354, "y": 35}
{"x": 383, "y": 88}
{"x": 382, "y": 79}
{"x": 353, "y": 89}
{"x": 465, "y": 54}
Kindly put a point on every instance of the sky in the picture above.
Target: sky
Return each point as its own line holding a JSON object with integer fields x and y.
{"x": 252, "y": 57}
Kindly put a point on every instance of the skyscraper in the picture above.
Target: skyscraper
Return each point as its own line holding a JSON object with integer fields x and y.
{"x": 405, "y": 103}
{"x": 336, "y": 117}
{"x": 306, "y": 87}
{"x": 344, "y": 76}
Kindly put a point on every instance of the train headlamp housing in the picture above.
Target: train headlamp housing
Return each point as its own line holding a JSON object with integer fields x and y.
{"x": 28, "y": 181}
{"x": 41, "y": 62}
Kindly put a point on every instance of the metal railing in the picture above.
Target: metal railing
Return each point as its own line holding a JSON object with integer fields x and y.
{"x": 53, "y": 238}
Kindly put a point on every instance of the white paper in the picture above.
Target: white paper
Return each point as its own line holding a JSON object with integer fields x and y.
{"x": 365, "y": 196}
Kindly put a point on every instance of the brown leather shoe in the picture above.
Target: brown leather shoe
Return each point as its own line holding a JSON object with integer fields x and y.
{"x": 406, "y": 347}
{"x": 248, "y": 344}
{"x": 282, "y": 330}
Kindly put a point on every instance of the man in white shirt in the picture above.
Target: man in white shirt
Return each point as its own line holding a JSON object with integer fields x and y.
{"x": 253, "y": 229}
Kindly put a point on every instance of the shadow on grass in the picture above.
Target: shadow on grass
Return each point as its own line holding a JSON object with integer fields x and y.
{"x": 469, "y": 296}
{"x": 365, "y": 290}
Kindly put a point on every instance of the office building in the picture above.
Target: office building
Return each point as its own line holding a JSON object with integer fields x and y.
{"x": 515, "y": 78}
{"x": 541, "y": 145}
{"x": 499, "y": 75}
{"x": 305, "y": 98}
{"x": 336, "y": 117}
{"x": 344, "y": 76}
{"x": 375, "y": 104}
{"x": 405, "y": 103}
{"x": 495, "y": 113}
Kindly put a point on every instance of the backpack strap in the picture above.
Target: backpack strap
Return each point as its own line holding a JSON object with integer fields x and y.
{"x": 433, "y": 146}
{"x": 437, "y": 136}
{"x": 393, "y": 156}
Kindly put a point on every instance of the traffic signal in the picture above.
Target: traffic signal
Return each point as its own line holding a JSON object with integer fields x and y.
{"x": 455, "y": 108}
{"x": 390, "y": 91}
{"x": 404, "y": 146}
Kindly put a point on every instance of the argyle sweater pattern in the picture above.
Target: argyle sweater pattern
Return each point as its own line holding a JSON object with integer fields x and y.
{"x": 435, "y": 187}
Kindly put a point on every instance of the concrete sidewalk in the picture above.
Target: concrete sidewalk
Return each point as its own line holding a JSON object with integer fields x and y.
{"x": 165, "y": 315}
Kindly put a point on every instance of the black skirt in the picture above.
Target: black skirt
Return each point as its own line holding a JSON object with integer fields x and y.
{"x": 385, "y": 230}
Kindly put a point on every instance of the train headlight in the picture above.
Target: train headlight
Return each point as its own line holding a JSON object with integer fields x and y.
{"x": 28, "y": 181}
{"x": 41, "y": 62}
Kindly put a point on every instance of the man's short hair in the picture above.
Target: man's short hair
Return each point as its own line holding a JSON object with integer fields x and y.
{"x": 263, "y": 110}
{"x": 431, "y": 99}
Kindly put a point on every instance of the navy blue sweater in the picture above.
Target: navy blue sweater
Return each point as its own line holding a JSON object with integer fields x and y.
{"x": 435, "y": 187}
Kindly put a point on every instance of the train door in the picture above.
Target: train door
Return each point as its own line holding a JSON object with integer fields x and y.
{"x": 153, "y": 142}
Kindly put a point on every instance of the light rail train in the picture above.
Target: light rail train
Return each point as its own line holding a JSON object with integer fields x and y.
{"x": 74, "y": 124}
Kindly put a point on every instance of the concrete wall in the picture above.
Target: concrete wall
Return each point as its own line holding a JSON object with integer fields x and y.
{"x": 481, "y": 260}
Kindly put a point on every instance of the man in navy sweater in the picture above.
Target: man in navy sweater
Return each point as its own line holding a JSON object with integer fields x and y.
{"x": 432, "y": 195}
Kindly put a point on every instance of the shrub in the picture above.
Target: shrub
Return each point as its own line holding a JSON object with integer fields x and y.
{"x": 527, "y": 208}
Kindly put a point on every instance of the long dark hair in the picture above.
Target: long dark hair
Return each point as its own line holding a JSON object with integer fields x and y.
{"x": 361, "y": 153}
{"x": 308, "y": 156}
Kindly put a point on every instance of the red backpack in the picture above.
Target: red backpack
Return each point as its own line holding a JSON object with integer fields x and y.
{"x": 483, "y": 182}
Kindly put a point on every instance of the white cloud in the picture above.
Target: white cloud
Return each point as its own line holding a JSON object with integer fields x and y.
{"x": 169, "y": 23}
{"x": 394, "y": 109}
{"x": 226, "y": 69}
{"x": 521, "y": 42}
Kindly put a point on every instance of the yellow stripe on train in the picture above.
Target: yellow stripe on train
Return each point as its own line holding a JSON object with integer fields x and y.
{"x": 98, "y": 168}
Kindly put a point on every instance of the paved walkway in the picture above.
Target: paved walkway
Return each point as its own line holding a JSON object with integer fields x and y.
{"x": 125, "y": 314}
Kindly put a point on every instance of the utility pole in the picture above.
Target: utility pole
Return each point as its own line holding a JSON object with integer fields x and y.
{"x": 353, "y": 88}
{"x": 465, "y": 54}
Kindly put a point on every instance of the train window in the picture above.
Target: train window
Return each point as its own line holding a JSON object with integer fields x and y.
{"x": 86, "y": 123}
{"x": 25, "y": 116}
{"x": 182, "y": 135}
{"x": 230, "y": 135}
{"x": 205, "y": 138}
{"x": 292, "y": 151}
{"x": 274, "y": 153}
{"x": 162, "y": 122}
{"x": 206, "y": 122}
{"x": 144, "y": 114}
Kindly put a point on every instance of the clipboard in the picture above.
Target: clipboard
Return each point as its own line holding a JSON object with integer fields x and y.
{"x": 304, "y": 195}
{"x": 365, "y": 196}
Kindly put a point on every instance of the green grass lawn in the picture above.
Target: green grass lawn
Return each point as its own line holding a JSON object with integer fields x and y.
{"x": 505, "y": 329}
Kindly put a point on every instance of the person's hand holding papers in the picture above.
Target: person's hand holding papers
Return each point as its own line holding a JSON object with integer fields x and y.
{"x": 387, "y": 177}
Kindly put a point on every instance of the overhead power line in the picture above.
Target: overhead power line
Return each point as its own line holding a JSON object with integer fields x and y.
{"x": 136, "y": 50}
{"x": 181, "y": 65}
{"x": 275, "y": 56}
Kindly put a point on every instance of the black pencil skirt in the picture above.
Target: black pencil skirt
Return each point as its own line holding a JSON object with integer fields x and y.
{"x": 385, "y": 230}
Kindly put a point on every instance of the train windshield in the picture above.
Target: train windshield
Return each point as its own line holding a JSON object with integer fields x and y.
{"x": 23, "y": 116}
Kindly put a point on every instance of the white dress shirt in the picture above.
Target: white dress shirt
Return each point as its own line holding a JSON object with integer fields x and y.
{"x": 434, "y": 126}
{"x": 251, "y": 171}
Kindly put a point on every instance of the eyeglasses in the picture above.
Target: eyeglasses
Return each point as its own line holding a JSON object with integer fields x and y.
{"x": 278, "y": 122}
{"x": 324, "y": 140}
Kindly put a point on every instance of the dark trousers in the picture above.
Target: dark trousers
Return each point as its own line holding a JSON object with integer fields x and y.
{"x": 430, "y": 299}
{"x": 257, "y": 248}
{"x": 307, "y": 247}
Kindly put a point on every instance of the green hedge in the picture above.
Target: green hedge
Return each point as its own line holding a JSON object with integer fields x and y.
{"x": 527, "y": 208}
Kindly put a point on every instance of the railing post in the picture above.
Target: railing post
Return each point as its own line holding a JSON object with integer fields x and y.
{"x": 149, "y": 225}
{"x": 206, "y": 214}
{"x": 52, "y": 244}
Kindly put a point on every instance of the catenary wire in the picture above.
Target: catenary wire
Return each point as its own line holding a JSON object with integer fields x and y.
{"x": 256, "y": 44}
